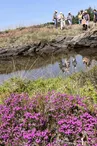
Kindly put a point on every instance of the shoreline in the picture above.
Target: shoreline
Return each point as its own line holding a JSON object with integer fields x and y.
{"x": 83, "y": 42}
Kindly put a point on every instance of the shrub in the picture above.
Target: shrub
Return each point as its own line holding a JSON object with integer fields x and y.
{"x": 52, "y": 120}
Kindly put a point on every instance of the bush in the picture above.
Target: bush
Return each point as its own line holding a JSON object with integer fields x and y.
{"x": 52, "y": 120}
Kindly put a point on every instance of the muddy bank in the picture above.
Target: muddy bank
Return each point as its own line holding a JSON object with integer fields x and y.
{"x": 83, "y": 43}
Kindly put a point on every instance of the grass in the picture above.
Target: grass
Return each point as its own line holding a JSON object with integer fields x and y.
{"x": 25, "y": 35}
{"x": 82, "y": 84}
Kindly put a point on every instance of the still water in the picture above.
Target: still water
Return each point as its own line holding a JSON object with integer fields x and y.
{"x": 34, "y": 68}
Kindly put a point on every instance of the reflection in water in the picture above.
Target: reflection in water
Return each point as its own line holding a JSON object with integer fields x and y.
{"x": 45, "y": 68}
{"x": 87, "y": 61}
{"x": 64, "y": 66}
{"x": 74, "y": 62}
{"x": 67, "y": 64}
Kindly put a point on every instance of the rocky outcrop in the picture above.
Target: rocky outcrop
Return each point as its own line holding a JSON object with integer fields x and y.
{"x": 86, "y": 41}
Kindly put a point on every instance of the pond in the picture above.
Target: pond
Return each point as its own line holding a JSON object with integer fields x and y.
{"x": 39, "y": 67}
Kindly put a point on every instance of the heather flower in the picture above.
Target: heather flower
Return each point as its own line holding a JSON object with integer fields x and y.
{"x": 52, "y": 120}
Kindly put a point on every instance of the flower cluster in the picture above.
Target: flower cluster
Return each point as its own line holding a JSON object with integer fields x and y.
{"x": 52, "y": 120}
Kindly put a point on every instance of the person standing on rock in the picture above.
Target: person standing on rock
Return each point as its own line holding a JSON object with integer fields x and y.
{"x": 80, "y": 17}
{"x": 55, "y": 19}
{"x": 69, "y": 18}
{"x": 95, "y": 15}
{"x": 85, "y": 21}
{"x": 62, "y": 20}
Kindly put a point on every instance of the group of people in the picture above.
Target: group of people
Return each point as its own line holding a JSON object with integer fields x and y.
{"x": 83, "y": 18}
{"x": 62, "y": 19}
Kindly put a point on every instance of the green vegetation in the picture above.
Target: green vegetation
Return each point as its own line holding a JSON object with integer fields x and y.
{"x": 82, "y": 84}
{"x": 45, "y": 111}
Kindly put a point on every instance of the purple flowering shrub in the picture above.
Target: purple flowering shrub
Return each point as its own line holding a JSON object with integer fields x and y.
{"x": 52, "y": 120}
